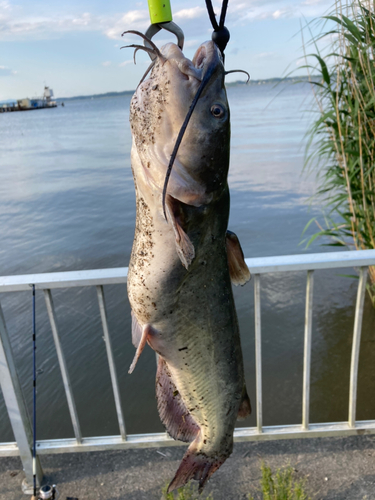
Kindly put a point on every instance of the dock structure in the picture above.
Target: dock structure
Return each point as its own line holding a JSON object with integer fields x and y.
{"x": 28, "y": 104}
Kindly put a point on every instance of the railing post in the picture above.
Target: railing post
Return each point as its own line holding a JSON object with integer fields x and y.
{"x": 307, "y": 351}
{"x": 356, "y": 345}
{"x": 111, "y": 361}
{"x": 258, "y": 353}
{"x": 63, "y": 366}
{"x": 16, "y": 407}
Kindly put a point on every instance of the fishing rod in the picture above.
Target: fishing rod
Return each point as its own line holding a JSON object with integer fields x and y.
{"x": 45, "y": 492}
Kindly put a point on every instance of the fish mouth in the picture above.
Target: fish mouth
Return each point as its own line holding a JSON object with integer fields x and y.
{"x": 206, "y": 55}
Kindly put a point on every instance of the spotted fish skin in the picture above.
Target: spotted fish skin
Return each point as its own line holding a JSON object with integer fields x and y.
{"x": 179, "y": 284}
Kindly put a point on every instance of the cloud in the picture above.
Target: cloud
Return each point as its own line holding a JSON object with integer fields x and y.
{"x": 193, "y": 13}
{"x": 125, "y": 63}
{"x": 313, "y": 2}
{"x": 192, "y": 43}
{"x": 241, "y": 11}
{"x": 5, "y": 71}
{"x": 17, "y": 24}
{"x": 135, "y": 20}
{"x": 106, "y": 63}
{"x": 5, "y": 6}
{"x": 277, "y": 14}
{"x": 22, "y": 27}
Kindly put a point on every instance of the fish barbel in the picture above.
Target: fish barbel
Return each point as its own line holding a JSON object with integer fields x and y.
{"x": 180, "y": 272}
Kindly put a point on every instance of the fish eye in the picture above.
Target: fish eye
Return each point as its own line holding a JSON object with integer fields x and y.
{"x": 217, "y": 111}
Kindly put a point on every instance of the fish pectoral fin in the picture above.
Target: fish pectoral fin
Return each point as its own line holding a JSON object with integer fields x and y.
{"x": 136, "y": 331}
{"x": 146, "y": 332}
{"x": 238, "y": 270}
{"x": 245, "y": 405}
{"x": 174, "y": 415}
{"x": 185, "y": 248}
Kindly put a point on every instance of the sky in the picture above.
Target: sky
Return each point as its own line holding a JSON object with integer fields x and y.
{"x": 74, "y": 46}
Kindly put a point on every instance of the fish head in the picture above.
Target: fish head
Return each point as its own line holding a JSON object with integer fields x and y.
{"x": 158, "y": 110}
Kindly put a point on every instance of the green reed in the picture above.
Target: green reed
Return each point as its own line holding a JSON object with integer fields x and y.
{"x": 341, "y": 140}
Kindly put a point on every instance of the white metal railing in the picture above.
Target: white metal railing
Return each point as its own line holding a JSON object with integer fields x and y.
{"x": 14, "y": 398}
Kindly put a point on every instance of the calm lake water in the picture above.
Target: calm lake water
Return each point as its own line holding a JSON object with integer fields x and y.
{"x": 67, "y": 203}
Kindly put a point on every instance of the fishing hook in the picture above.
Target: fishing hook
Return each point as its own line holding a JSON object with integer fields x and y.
{"x": 150, "y": 47}
{"x": 169, "y": 26}
{"x": 161, "y": 18}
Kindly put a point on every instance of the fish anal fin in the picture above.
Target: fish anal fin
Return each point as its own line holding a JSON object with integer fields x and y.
{"x": 245, "y": 406}
{"x": 147, "y": 331}
{"x": 238, "y": 270}
{"x": 173, "y": 413}
{"x": 196, "y": 465}
{"x": 184, "y": 246}
{"x": 136, "y": 331}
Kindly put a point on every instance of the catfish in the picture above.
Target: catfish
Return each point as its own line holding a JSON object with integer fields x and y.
{"x": 184, "y": 260}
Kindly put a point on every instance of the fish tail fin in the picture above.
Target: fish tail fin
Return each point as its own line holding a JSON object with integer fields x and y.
{"x": 195, "y": 465}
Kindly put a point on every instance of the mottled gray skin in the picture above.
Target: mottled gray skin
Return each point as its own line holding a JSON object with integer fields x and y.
{"x": 191, "y": 311}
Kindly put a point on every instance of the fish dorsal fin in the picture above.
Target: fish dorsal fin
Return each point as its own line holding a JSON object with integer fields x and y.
{"x": 185, "y": 248}
{"x": 238, "y": 270}
{"x": 172, "y": 410}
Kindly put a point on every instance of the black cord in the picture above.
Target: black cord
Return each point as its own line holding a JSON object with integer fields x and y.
{"x": 221, "y": 34}
{"x": 206, "y": 79}
{"x": 223, "y": 13}
{"x": 221, "y": 37}
{"x": 211, "y": 14}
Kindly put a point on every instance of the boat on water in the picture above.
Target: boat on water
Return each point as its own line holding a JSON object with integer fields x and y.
{"x": 28, "y": 104}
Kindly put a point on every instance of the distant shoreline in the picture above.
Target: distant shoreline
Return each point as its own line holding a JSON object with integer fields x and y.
{"x": 266, "y": 81}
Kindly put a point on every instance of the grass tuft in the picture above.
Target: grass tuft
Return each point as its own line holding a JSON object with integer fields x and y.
{"x": 282, "y": 485}
{"x": 187, "y": 492}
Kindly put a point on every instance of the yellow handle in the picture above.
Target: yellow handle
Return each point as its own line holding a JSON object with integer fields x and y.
{"x": 160, "y": 11}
